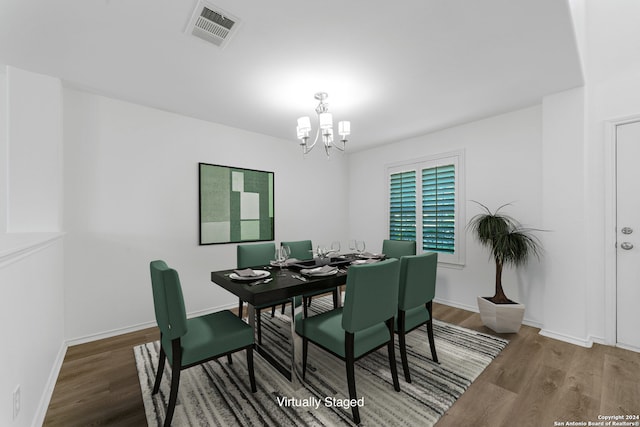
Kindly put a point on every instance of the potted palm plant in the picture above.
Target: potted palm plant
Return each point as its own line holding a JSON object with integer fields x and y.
{"x": 510, "y": 244}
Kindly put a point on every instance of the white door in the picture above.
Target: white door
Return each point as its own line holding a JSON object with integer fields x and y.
{"x": 628, "y": 235}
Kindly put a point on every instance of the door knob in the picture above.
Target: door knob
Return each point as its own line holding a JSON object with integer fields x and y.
{"x": 627, "y": 230}
{"x": 626, "y": 245}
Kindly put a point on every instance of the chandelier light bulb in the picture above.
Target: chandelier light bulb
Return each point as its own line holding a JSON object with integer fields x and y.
{"x": 344, "y": 129}
{"x": 304, "y": 124}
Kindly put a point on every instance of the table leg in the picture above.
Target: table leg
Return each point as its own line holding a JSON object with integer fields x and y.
{"x": 251, "y": 316}
{"x": 297, "y": 313}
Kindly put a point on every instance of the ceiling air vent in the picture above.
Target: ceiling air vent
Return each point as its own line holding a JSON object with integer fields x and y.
{"x": 212, "y": 24}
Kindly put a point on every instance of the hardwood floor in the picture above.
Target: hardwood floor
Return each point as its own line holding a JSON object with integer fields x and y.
{"x": 535, "y": 381}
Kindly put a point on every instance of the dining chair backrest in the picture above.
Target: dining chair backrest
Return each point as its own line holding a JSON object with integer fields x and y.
{"x": 398, "y": 248}
{"x": 168, "y": 301}
{"x": 300, "y": 249}
{"x": 417, "y": 280}
{"x": 255, "y": 254}
{"x": 371, "y": 294}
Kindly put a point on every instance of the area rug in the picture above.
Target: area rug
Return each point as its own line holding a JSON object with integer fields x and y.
{"x": 218, "y": 394}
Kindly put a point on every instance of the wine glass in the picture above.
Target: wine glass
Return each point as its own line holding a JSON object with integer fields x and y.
{"x": 280, "y": 255}
{"x": 352, "y": 245}
{"x": 335, "y": 246}
{"x": 287, "y": 253}
{"x": 360, "y": 246}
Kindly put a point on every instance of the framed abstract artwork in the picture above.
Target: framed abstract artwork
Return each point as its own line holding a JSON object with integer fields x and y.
{"x": 236, "y": 204}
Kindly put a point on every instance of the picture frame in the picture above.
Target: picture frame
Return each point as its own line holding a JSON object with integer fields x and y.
{"x": 235, "y": 204}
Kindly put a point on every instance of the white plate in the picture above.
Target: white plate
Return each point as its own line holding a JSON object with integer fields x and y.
{"x": 329, "y": 273}
{"x": 370, "y": 256}
{"x": 260, "y": 274}
{"x": 365, "y": 261}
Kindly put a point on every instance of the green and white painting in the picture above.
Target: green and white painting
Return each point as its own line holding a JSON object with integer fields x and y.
{"x": 236, "y": 204}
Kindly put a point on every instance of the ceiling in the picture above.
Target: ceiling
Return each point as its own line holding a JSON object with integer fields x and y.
{"x": 395, "y": 70}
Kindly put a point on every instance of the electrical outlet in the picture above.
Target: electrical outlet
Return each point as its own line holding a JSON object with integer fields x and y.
{"x": 16, "y": 402}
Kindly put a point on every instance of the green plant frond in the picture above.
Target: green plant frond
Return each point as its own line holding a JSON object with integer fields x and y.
{"x": 486, "y": 226}
{"x": 515, "y": 247}
{"x": 483, "y": 206}
{"x": 508, "y": 241}
{"x": 489, "y": 210}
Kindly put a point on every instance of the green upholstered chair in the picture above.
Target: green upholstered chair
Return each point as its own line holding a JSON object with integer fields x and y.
{"x": 415, "y": 301}
{"x": 303, "y": 250}
{"x": 190, "y": 342}
{"x": 398, "y": 248}
{"x": 300, "y": 249}
{"x": 255, "y": 255}
{"x": 362, "y": 325}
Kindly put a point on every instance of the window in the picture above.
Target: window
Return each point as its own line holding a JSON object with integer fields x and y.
{"x": 426, "y": 205}
{"x": 402, "y": 206}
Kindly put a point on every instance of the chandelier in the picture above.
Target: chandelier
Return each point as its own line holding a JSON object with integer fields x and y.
{"x": 325, "y": 128}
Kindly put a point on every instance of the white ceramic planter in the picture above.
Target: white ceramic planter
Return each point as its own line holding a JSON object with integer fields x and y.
{"x": 502, "y": 318}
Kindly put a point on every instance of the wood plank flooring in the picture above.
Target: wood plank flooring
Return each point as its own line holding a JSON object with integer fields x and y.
{"x": 535, "y": 381}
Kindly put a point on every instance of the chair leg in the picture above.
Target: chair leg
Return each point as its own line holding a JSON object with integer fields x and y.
{"x": 252, "y": 377}
{"x": 432, "y": 343}
{"x": 309, "y": 301}
{"x": 273, "y": 310}
{"x": 240, "y": 305}
{"x": 335, "y": 297}
{"x": 351, "y": 380}
{"x": 283, "y": 307}
{"x": 305, "y": 349}
{"x": 175, "y": 381}
{"x": 161, "y": 362}
{"x": 392, "y": 356}
{"x": 229, "y": 359}
{"x": 403, "y": 345}
{"x": 259, "y": 325}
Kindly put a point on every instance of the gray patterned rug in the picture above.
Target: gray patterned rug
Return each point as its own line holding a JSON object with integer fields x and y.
{"x": 218, "y": 394}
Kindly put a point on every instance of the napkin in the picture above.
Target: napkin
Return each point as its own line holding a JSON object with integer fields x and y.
{"x": 325, "y": 269}
{"x": 247, "y": 272}
{"x": 371, "y": 255}
{"x": 287, "y": 263}
{"x": 365, "y": 261}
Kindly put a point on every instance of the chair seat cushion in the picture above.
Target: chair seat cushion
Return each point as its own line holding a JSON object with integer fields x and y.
{"x": 271, "y": 304}
{"x": 326, "y": 330}
{"x": 212, "y": 335}
{"x": 414, "y": 317}
{"x": 319, "y": 292}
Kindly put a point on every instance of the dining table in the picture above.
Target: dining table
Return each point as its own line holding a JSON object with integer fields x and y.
{"x": 282, "y": 283}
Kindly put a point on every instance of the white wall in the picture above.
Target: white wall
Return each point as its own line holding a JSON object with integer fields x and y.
{"x": 34, "y": 199}
{"x": 31, "y": 276}
{"x": 564, "y": 215}
{"x": 503, "y": 165}
{"x": 3, "y": 150}
{"x": 613, "y": 93}
{"x": 32, "y": 312}
{"x": 131, "y": 185}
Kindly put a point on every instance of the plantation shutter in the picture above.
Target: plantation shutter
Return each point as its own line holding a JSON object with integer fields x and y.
{"x": 402, "y": 206}
{"x": 438, "y": 208}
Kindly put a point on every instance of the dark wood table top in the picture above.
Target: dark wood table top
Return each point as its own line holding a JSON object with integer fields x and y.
{"x": 281, "y": 287}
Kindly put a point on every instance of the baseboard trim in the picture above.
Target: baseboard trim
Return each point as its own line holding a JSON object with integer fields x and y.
{"x": 628, "y": 347}
{"x": 45, "y": 399}
{"x": 134, "y": 328}
{"x": 588, "y": 343}
{"x": 109, "y": 334}
{"x": 454, "y": 304}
